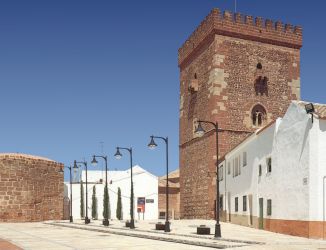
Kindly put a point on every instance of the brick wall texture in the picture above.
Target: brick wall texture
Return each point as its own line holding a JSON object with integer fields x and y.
{"x": 231, "y": 67}
{"x": 31, "y": 188}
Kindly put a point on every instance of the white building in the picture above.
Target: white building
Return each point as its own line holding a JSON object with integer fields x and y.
{"x": 275, "y": 178}
{"x": 145, "y": 186}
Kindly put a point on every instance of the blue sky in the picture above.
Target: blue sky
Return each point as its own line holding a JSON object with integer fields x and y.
{"x": 77, "y": 73}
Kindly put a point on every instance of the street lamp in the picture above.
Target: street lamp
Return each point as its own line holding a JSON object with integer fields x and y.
{"x": 106, "y": 195}
{"x": 310, "y": 109}
{"x": 153, "y": 145}
{"x": 74, "y": 167}
{"x": 118, "y": 156}
{"x": 87, "y": 220}
{"x": 200, "y": 132}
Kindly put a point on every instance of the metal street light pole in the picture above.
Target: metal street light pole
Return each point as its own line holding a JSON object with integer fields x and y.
{"x": 200, "y": 131}
{"x": 94, "y": 163}
{"x": 62, "y": 171}
{"x": 118, "y": 156}
{"x": 87, "y": 220}
{"x": 153, "y": 145}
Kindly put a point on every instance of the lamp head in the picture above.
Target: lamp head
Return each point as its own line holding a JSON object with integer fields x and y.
{"x": 199, "y": 130}
{"x": 152, "y": 143}
{"x": 94, "y": 161}
{"x": 117, "y": 154}
{"x": 75, "y": 167}
{"x": 309, "y": 108}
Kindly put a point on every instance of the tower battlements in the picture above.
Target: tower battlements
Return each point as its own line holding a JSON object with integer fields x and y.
{"x": 241, "y": 26}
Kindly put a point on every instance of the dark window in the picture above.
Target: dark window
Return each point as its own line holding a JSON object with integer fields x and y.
{"x": 269, "y": 207}
{"x": 259, "y": 170}
{"x": 258, "y": 115}
{"x": 269, "y": 165}
{"x": 259, "y": 66}
{"x": 220, "y": 173}
{"x": 229, "y": 167}
{"x": 244, "y": 160}
{"x": 221, "y": 202}
{"x": 236, "y": 204}
{"x": 244, "y": 203}
{"x": 162, "y": 215}
{"x": 195, "y": 76}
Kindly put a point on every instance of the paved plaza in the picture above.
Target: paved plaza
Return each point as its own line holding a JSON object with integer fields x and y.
{"x": 62, "y": 235}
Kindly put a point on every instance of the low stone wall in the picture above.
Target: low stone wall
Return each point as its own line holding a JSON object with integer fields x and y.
{"x": 31, "y": 188}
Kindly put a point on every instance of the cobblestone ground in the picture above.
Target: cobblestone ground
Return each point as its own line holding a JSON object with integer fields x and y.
{"x": 59, "y": 235}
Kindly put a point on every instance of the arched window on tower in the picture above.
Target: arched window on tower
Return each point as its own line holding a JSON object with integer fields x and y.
{"x": 258, "y": 115}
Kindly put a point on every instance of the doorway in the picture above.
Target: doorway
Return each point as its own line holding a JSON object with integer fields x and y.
{"x": 261, "y": 213}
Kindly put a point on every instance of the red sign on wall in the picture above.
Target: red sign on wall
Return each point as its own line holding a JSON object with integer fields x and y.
{"x": 141, "y": 204}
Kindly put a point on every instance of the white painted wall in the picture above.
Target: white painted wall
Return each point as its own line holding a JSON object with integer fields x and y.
{"x": 145, "y": 185}
{"x": 318, "y": 171}
{"x": 298, "y": 151}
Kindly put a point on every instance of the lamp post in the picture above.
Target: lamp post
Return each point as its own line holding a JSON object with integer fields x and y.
{"x": 200, "y": 132}
{"x": 118, "y": 156}
{"x": 75, "y": 167}
{"x": 106, "y": 207}
{"x": 87, "y": 220}
{"x": 153, "y": 145}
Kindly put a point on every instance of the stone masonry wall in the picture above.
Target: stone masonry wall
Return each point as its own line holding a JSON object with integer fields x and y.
{"x": 174, "y": 202}
{"x": 31, "y": 188}
{"x": 228, "y": 66}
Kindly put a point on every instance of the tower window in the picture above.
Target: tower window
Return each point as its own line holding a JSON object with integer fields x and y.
{"x": 195, "y": 76}
{"x": 258, "y": 115}
{"x": 259, "y": 66}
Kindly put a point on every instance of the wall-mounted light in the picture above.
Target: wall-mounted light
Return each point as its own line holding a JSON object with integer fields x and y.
{"x": 310, "y": 109}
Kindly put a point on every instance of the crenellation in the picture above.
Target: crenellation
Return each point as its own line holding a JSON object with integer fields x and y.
{"x": 238, "y": 18}
{"x": 298, "y": 30}
{"x": 240, "y": 26}
{"x": 289, "y": 28}
{"x": 259, "y": 22}
{"x": 227, "y": 16}
{"x": 279, "y": 26}
{"x": 249, "y": 20}
{"x": 269, "y": 24}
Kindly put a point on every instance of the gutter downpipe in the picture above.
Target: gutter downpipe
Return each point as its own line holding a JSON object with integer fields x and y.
{"x": 324, "y": 206}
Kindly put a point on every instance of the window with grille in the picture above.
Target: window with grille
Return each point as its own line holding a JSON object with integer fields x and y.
{"x": 269, "y": 164}
{"x": 236, "y": 204}
{"x": 244, "y": 159}
{"x": 244, "y": 203}
{"x": 269, "y": 207}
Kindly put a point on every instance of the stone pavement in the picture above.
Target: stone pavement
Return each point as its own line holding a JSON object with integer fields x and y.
{"x": 233, "y": 236}
{"x": 59, "y": 235}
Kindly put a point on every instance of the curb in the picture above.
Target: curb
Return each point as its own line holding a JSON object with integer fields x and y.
{"x": 151, "y": 237}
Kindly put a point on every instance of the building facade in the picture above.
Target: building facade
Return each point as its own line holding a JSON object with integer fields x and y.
{"x": 174, "y": 195}
{"x": 31, "y": 188}
{"x": 145, "y": 189}
{"x": 276, "y": 178}
{"x": 240, "y": 72}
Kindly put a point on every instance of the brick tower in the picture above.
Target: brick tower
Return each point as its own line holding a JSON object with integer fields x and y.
{"x": 240, "y": 72}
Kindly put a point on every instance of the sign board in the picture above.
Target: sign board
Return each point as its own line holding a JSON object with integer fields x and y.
{"x": 149, "y": 200}
{"x": 141, "y": 204}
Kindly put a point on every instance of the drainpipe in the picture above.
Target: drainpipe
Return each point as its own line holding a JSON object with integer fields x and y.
{"x": 225, "y": 190}
{"x": 324, "y": 206}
